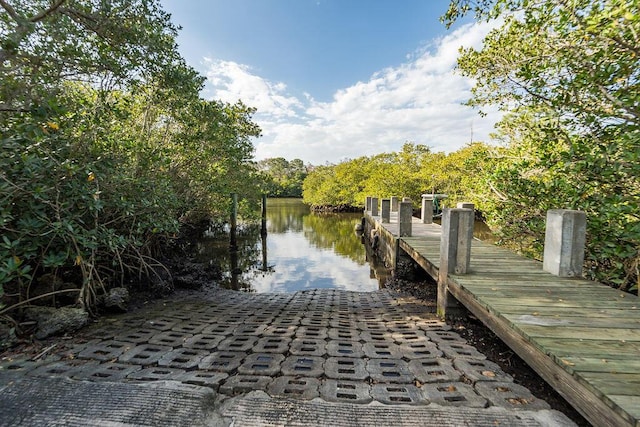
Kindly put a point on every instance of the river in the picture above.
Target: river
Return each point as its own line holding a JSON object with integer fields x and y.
{"x": 302, "y": 250}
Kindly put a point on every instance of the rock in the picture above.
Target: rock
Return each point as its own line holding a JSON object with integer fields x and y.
{"x": 56, "y": 321}
{"x": 117, "y": 300}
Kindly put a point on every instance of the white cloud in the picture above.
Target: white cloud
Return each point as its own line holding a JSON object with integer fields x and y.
{"x": 420, "y": 101}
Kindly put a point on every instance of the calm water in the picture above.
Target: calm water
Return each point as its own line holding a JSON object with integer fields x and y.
{"x": 302, "y": 250}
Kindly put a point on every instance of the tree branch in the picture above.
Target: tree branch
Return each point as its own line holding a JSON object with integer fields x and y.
{"x": 10, "y": 10}
{"x": 45, "y": 13}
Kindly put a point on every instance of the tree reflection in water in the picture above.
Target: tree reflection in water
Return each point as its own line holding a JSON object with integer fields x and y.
{"x": 304, "y": 250}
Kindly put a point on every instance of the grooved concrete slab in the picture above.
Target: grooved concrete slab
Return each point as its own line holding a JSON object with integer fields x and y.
{"x": 79, "y": 403}
{"x": 259, "y": 412}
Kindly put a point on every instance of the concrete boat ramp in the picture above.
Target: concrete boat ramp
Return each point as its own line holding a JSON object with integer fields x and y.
{"x": 312, "y": 358}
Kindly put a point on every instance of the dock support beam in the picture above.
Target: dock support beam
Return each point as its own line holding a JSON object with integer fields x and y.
{"x": 564, "y": 242}
{"x": 367, "y": 204}
{"x": 455, "y": 253}
{"x": 427, "y": 209}
{"x": 374, "y": 206}
{"x": 405, "y": 213}
{"x": 394, "y": 204}
{"x": 386, "y": 210}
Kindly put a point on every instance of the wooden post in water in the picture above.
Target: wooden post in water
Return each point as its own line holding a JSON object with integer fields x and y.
{"x": 405, "y": 213}
{"x": 427, "y": 209}
{"x": 233, "y": 244}
{"x": 564, "y": 242}
{"x": 374, "y": 206}
{"x": 455, "y": 254}
{"x": 386, "y": 210}
{"x": 263, "y": 228}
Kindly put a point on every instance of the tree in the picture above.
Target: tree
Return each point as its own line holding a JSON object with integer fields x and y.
{"x": 567, "y": 74}
{"x": 284, "y": 178}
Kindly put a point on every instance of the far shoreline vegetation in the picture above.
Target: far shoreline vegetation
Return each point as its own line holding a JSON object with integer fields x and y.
{"x": 110, "y": 153}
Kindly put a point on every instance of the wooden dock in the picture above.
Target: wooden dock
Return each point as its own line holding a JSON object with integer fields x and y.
{"x": 582, "y": 337}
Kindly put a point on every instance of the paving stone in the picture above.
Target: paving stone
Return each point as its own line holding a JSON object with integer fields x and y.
{"x": 320, "y": 322}
{"x": 105, "y": 350}
{"x": 182, "y": 358}
{"x": 203, "y": 342}
{"x": 161, "y": 323}
{"x": 372, "y": 326}
{"x": 481, "y": 370}
{"x": 104, "y": 333}
{"x": 272, "y": 345}
{"x": 307, "y": 346}
{"x": 224, "y": 329}
{"x": 250, "y": 329}
{"x": 265, "y": 318}
{"x": 169, "y": 338}
{"x": 509, "y": 395}
{"x": 415, "y": 335}
{"x": 376, "y": 336}
{"x": 137, "y": 336}
{"x": 63, "y": 368}
{"x": 280, "y": 331}
{"x": 144, "y": 354}
{"x": 239, "y": 384}
{"x": 401, "y": 326}
{"x": 345, "y": 368}
{"x": 189, "y": 327}
{"x": 104, "y": 371}
{"x": 346, "y": 391}
{"x": 454, "y": 394}
{"x": 261, "y": 364}
{"x": 204, "y": 378}
{"x": 461, "y": 351}
{"x": 445, "y": 337}
{"x": 380, "y": 350}
{"x": 343, "y": 323}
{"x": 396, "y": 394}
{"x": 295, "y": 387}
{"x": 432, "y": 325}
{"x": 420, "y": 350}
{"x": 308, "y": 366}
{"x": 20, "y": 365}
{"x": 434, "y": 370}
{"x": 343, "y": 334}
{"x": 155, "y": 373}
{"x": 224, "y": 361}
{"x": 342, "y": 348}
{"x": 281, "y": 320}
{"x": 238, "y": 343}
{"x": 315, "y": 332}
{"x": 390, "y": 371}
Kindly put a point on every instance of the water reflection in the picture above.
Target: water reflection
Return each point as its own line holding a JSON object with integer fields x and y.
{"x": 302, "y": 250}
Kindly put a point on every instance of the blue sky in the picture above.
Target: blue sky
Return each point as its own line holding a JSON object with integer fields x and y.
{"x": 335, "y": 79}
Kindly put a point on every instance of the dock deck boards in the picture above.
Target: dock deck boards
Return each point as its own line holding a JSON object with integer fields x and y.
{"x": 581, "y": 336}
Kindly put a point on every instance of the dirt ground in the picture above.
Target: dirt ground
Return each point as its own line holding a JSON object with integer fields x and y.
{"x": 478, "y": 335}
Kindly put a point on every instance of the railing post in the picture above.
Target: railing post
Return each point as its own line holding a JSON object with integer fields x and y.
{"x": 374, "y": 206}
{"x": 394, "y": 204}
{"x": 427, "y": 209}
{"x": 564, "y": 242}
{"x": 465, "y": 205}
{"x": 405, "y": 213}
{"x": 386, "y": 210}
{"x": 455, "y": 254}
{"x": 367, "y": 204}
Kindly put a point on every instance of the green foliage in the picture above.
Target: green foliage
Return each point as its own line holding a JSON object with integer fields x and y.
{"x": 567, "y": 73}
{"x": 106, "y": 146}
{"x": 282, "y": 178}
{"x": 409, "y": 173}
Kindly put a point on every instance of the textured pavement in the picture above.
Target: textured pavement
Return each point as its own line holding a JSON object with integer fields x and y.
{"x": 311, "y": 358}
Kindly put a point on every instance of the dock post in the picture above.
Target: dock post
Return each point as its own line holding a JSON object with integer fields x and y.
{"x": 564, "y": 242}
{"x": 386, "y": 210}
{"x": 394, "y": 204}
{"x": 367, "y": 205}
{"x": 374, "y": 206}
{"x": 455, "y": 254}
{"x": 405, "y": 213}
{"x": 427, "y": 209}
{"x": 465, "y": 205}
